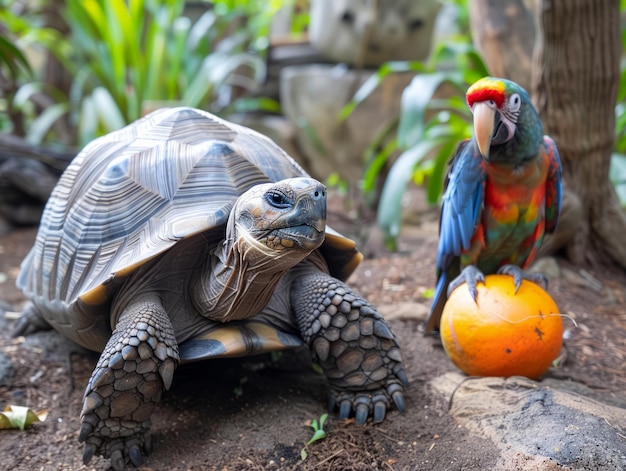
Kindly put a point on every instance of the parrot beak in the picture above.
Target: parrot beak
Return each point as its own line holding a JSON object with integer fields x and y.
{"x": 484, "y": 117}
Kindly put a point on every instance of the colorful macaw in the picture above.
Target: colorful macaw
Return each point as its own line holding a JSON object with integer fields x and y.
{"x": 502, "y": 193}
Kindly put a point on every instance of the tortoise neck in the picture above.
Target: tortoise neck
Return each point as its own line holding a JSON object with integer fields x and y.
{"x": 240, "y": 278}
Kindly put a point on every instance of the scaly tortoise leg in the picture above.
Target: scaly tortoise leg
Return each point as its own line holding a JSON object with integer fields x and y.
{"x": 353, "y": 344}
{"x": 135, "y": 367}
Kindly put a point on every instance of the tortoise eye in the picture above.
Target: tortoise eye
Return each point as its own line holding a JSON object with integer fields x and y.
{"x": 277, "y": 199}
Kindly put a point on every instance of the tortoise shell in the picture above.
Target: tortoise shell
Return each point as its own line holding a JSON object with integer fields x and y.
{"x": 131, "y": 195}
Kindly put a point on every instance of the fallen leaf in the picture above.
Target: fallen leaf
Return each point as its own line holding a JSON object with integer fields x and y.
{"x": 20, "y": 417}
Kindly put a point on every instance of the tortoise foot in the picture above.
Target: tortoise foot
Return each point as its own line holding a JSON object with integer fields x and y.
{"x": 120, "y": 450}
{"x": 355, "y": 347}
{"x": 373, "y": 404}
{"x": 135, "y": 367}
{"x": 29, "y": 322}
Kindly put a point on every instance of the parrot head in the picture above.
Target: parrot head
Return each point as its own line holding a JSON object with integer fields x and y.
{"x": 507, "y": 127}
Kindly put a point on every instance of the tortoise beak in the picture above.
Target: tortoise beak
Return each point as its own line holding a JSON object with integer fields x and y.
{"x": 313, "y": 203}
{"x": 484, "y": 123}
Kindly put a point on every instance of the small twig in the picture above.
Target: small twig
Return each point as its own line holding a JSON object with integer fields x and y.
{"x": 386, "y": 434}
{"x": 388, "y": 465}
{"x": 346, "y": 442}
{"x": 330, "y": 457}
{"x": 594, "y": 283}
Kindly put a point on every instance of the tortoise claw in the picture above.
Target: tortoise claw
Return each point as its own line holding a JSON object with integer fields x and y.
{"x": 90, "y": 449}
{"x": 85, "y": 431}
{"x": 117, "y": 460}
{"x": 398, "y": 400}
{"x": 361, "y": 414}
{"x": 380, "y": 410}
{"x": 135, "y": 455}
{"x": 345, "y": 409}
{"x": 332, "y": 402}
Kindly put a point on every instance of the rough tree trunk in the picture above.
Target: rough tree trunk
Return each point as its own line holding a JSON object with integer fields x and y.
{"x": 575, "y": 82}
{"x": 504, "y": 32}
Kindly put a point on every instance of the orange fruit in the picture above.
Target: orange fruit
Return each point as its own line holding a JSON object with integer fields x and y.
{"x": 502, "y": 333}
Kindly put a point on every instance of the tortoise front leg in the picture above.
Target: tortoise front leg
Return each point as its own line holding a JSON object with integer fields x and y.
{"x": 137, "y": 363}
{"x": 354, "y": 346}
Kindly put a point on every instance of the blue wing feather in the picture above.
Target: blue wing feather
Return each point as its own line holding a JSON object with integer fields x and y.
{"x": 462, "y": 204}
{"x": 460, "y": 214}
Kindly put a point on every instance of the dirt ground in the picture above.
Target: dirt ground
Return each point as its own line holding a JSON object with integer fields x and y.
{"x": 253, "y": 413}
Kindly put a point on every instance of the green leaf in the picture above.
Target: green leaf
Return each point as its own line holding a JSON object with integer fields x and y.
{"x": 20, "y": 417}
{"x": 416, "y": 99}
{"x": 252, "y": 104}
{"x": 319, "y": 432}
{"x": 377, "y": 162}
{"x": 88, "y": 125}
{"x": 390, "y": 205}
{"x": 13, "y": 58}
{"x": 374, "y": 80}
{"x": 106, "y": 109}
{"x": 44, "y": 122}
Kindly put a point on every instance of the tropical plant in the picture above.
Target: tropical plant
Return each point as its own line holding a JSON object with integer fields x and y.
{"x": 142, "y": 51}
{"x": 126, "y": 57}
{"x": 22, "y": 30}
{"x": 13, "y": 65}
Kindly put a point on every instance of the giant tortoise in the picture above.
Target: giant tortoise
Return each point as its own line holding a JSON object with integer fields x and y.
{"x": 184, "y": 237}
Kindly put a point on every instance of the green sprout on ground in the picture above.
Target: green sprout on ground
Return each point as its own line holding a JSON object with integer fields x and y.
{"x": 318, "y": 434}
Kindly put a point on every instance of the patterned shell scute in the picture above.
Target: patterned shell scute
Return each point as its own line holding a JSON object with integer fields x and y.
{"x": 132, "y": 194}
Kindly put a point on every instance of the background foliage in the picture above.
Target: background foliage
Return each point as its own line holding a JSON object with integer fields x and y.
{"x": 126, "y": 57}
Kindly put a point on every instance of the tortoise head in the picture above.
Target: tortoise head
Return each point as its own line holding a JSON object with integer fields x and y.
{"x": 287, "y": 216}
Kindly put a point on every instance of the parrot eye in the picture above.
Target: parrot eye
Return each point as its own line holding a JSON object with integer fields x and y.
{"x": 515, "y": 102}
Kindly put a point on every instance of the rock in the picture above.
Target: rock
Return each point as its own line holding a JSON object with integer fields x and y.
{"x": 312, "y": 97}
{"x": 547, "y": 266}
{"x": 364, "y": 33}
{"x": 535, "y": 425}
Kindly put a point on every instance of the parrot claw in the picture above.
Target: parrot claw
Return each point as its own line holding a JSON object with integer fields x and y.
{"x": 470, "y": 275}
{"x": 519, "y": 275}
{"x": 540, "y": 279}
